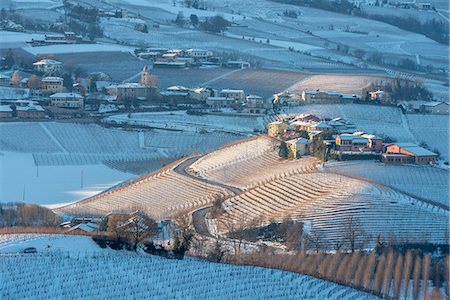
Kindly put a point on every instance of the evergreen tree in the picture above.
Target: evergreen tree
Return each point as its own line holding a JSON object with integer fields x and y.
{"x": 283, "y": 151}
{"x": 9, "y": 58}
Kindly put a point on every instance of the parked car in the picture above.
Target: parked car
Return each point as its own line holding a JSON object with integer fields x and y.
{"x": 29, "y": 250}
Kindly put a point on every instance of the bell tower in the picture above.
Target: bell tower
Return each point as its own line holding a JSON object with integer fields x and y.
{"x": 144, "y": 76}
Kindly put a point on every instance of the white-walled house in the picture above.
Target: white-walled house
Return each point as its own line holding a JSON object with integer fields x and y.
{"x": 67, "y": 100}
{"x": 48, "y": 66}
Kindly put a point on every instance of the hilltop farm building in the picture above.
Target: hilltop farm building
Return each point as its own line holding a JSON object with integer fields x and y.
{"x": 408, "y": 153}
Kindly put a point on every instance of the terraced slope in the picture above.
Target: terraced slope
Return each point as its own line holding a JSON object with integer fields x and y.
{"x": 327, "y": 201}
{"x": 249, "y": 163}
{"x": 161, "y": 194}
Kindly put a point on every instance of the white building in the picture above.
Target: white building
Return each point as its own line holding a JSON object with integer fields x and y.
{"x": 67, "y": 100}
{"x": 220, "y": 101}
{"x": 199, "y": 54}
{"x": 48, "y": 66}
{"x": 237, "y": 95}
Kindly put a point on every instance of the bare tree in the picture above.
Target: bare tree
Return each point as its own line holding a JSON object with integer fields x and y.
{"x": 184, "y": 232}
{"x": 314, "y": 240}
{"x": 352, "y": 231}
{"x": 135, "y": 227}
{"x": 139, "y": 228}
{"x": 387, "y": 275}
{"x": 407, "y": 267}
{"x": 369, "y": 271}
{"x": 398, "y": 276}
{"x": 34, "y": 82}
{"x": 378, "y": 278}
{"x": 352, "y": 267}
{"x": 217, "y": 253}
{"x": 425, "y": 275}
{"x": 416, "y": 277}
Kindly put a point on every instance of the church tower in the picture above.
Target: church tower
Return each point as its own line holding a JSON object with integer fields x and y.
{"x": 145, "y": 79}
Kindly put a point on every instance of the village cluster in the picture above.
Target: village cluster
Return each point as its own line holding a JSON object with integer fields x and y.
{"x": 47, "y": 91}
{"x": 307, "y": 134}
{"x": 185, "y": 58}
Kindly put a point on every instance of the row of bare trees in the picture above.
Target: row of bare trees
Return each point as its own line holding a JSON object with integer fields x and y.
{"x": 391, "y": 275}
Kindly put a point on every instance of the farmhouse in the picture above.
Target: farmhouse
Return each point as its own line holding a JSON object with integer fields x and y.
{"x": 201, "y": 94}
{"x": 132, "y": 90}
{"x": 66, "y": 100}
{"x": 256, "y": 105}
{"x": 4, "y": 79}
{"x": 359, "y": 142}
{"x": 237, "y": 95}
{"x": 175, "y": 95}
{"x": 312, "y": 126}
{"x": 431, "y": 107}
{"x": 237, "y": 64}
{"x": 341, "y": 125}
{"x": 220, "y": 102}
{"x": 198, "y": 54}
{"x": 285, "y": 97}
{"x": 408, "y": 153}
{"x": 276, "y": 128}
{"x": 298, "y": 147}
{"x": 29, "y": 110}
{"x": 51, "y": 85}
{"x": 379, "y": 95}
{"x": 48, "y": 66}
{"x": 319, "y": 97}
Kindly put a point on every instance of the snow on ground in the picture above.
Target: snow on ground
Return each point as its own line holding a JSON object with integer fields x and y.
{"x": 350, "y": 84}
{"x": 47, "y": 243}
{"x": 424, "y": 181}
{"x": 9, "y": 39}
{"x": 278, "y": 43}
{"x": 180, "y": 120}
{"x": 21, "y": 180}
{"x": 77, "y": 48}
{"x": 51, "y": 162}
{"x": 433, "y": 130}
{"x": 24, "y": 4}
{"x": 140, "y": 276}
{"x": 381, "y": 120}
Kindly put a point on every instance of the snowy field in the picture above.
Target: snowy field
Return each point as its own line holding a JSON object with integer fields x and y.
{"x": 81, "y": 275}
{"x": 338, "y": 83}
{"x": 21, "y": 180}
{"x": 50, "y": 162}
{"x": 433, "y": 130}
{"x": 424, "y": 181}
{"x": 77, "y": 48}
{"x": 180, "y": 120}
{"x": 48, "y": 243}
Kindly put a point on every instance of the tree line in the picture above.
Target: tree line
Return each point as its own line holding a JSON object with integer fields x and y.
{"x": 21, "y": 214}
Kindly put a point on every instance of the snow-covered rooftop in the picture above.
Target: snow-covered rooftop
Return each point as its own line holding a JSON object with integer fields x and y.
{"x": 47, "y": 62}
{"x": 66, "y": 95}
{"x": 415, "y": 149}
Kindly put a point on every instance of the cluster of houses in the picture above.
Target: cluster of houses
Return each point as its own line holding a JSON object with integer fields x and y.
{"x": 46, "y": 90}
{"x": 342, "y": 138}
{"x": 314, "y": 97}
{"x": 68, "y": 37}
{"x": 184, "y": 58}
{"x": 217, "y": 99}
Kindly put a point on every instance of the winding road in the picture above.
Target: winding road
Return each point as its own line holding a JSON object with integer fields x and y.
{"x": 198, "y": 216}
